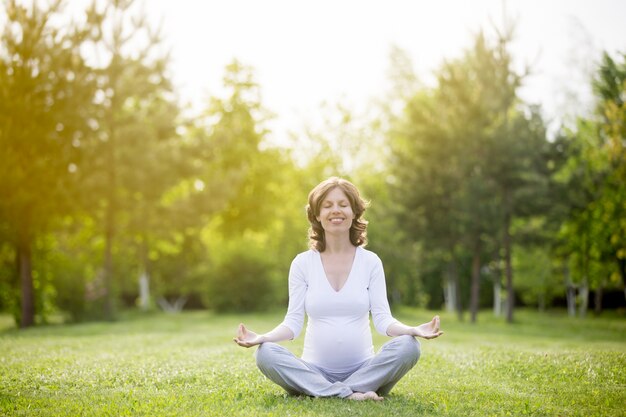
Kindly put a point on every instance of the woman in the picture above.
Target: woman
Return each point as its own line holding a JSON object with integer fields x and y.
{"x": 338, "y": 283}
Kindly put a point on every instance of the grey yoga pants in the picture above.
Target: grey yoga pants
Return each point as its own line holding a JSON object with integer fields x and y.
{"x": 379, "y": 374}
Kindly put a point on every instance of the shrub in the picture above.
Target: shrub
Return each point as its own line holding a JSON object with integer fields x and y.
{"x": 242, "y": 281}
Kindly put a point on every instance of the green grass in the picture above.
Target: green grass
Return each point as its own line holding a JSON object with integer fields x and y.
{"x": 187, "y": 365}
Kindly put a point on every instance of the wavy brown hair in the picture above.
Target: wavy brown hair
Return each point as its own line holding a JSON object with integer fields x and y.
{"x": 358, "y": 230}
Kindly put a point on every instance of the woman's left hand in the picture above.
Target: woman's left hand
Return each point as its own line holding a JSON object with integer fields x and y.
{"x": 428, "y": 330}
{"x": 247, "y": 338}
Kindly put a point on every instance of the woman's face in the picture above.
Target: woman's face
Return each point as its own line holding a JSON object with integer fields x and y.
{"x": 336, "y": 213}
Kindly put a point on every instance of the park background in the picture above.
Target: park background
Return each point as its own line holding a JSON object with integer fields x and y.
{"x": 143, "y": 170}
{"x": 120, "y": 191}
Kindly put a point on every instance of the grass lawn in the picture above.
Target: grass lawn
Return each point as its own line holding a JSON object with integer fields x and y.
{"x": 187, "y": 365}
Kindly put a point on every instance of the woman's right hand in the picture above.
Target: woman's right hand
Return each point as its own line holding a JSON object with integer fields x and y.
{"x": 247, "y": 338}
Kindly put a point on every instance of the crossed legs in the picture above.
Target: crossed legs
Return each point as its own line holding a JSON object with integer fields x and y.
{"x": 379, "y": 374}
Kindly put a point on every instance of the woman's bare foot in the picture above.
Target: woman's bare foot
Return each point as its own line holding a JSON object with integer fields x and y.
{"x": 371, "y": 395}
{"x": 362, "y": 396}
{"x": 357, "y": 396}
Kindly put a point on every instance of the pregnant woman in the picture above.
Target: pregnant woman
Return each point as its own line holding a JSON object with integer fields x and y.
{"x": 338, "y": 284}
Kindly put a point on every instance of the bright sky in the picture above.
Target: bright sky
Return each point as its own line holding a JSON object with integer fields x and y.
{"x": 308, "y": 52}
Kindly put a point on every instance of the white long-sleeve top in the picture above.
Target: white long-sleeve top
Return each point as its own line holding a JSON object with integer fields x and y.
{"x": 338, "y": 337}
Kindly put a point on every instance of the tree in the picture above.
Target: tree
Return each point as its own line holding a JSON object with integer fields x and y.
{"x": 425, "y": 169}
{"x": 240, "y": 131}
{"x": 45, "y": 91}
{"x": 469, "y": 152}
{"x": 610, "y": 88}
{"x": 234, "y": 183}
{"x": 594, "y": 173}
{"x": 128, "y": 166}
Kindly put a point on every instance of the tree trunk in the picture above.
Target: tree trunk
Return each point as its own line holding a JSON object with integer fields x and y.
{"x": 113, "y": 74}
{"x": 475, "y": 282}
{"x": 144, "y": 291}
{"x": 450, "y": 295}
{"x": 597, "y": 307}
{"x": 585, "y": 259}
{"x": 571, "y": 300}
{"x": 497, "y": 294}
{"x": 497, "y": 286}
{"x": 510, "y": 292}
{"x": 25, "y": 271}
{"x": 583, "y": 293}
{"x": 622, "y": 270}
{"x": 175, "y": 307}
{"x": 111, "y": 207}
{"x": 108, "y": 269}
{"x": 144, "y": 278}
{"x": 570, "y": 291}
{"x": 541, "y": 302}
{"x": 109, "y": 308}
{"x": 454, "y": 271}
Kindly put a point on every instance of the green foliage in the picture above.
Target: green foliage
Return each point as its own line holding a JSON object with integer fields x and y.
{"x": 241, "y": 279}
{"x": 73, "y": 259}
{"x": 9, "y": 294}
{"x": 46, "y": 89}
{"x": 100, "y": 147}
{"x": 104, "y": 180}
{"x": 467, "y": 157}
{"x": 43, "y": 78}
{"x": 610, "y": 86}
{"x": 404, "y": 261}
{"x": 129, "y": 164}
{"x": 248, "y": 205}
{"x": 536, "y": 281}
{"x": 594, "y": 174}
{"x": 173, "y": 365}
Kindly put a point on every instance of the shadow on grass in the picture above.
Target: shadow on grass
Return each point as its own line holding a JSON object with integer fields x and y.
{"x": 393, "y": 402}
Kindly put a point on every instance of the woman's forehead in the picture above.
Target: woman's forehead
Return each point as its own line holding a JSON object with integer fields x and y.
{"x": 336, "y": 194}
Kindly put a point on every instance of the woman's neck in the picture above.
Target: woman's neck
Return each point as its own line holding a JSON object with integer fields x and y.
{"x": 338, "y": 244}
